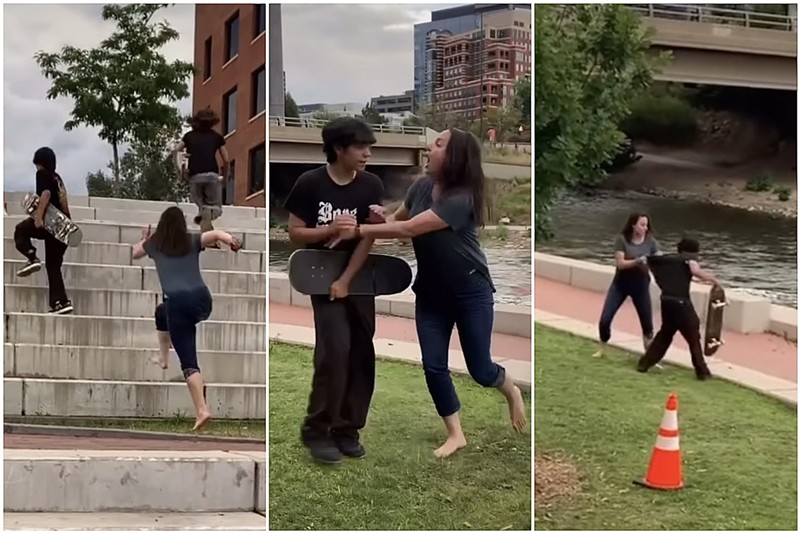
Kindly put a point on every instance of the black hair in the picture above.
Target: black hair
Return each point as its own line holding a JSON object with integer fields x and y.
{"x": 344, "y": 132}
{"x": 627, "y": 231}
{"x": 462, "y": 169}
{"x": 45, "y": 157}
{"x": 204, "y": 120}
{"x": 171, "y": 237}
{"x": 687, "y": 245}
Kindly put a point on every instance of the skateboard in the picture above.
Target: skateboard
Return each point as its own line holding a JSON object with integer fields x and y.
{"x": 713, "y": 335}
{"x": 312, "y": 272}
{"x": 55, "y": 222}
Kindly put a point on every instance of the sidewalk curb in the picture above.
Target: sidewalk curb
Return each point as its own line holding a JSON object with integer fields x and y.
{"x": 773, "y": 387}
{"x": 406, "y": 352}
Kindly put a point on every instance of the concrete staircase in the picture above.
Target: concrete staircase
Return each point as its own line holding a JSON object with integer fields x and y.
{"x": 95, "y": 363}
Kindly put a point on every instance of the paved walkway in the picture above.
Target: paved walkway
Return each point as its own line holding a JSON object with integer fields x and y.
{"x": 396, "y": 338}
{"x": 765, "y": 353}
{"x": 57, "y": 442}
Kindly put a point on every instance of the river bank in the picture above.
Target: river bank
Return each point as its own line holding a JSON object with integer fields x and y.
{"x": 713, "y": 179}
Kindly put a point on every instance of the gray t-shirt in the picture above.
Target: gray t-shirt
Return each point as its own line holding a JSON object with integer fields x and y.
{"x": 178, "y": 274}
{"x": 648, "y": 247}
{"x": 447, "y": 257}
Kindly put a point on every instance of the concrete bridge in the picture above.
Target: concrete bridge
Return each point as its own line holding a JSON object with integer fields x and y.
{"x": 294, "y": 140}
{"x": 717, "y": 46}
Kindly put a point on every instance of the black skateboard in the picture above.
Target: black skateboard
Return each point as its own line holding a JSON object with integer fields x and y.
{"x": 312, "y": 272}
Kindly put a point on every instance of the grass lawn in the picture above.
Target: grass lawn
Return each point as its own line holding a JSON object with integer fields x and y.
{"x": 739, "y": 448}
{"x": 512, "y": 199}
{"x": 507, "y": 156}
{"x": 399, "y": 484}
{"x": 248, "y": 429}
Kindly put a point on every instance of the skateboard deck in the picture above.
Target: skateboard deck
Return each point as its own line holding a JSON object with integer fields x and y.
{"x": 55, "y": 222}
{"x": 713, "y": 334}
{"x": 312, "y": 272}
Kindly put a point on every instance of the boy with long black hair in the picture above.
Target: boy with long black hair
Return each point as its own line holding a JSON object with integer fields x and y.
{"x": 51, "y": 191}
{"x": 674, "y": 273}
{"x": 322, "y": 201}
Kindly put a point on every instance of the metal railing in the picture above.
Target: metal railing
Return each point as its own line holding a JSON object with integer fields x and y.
{"x": 318, "y": 123}
{"x": 717, "y": 15}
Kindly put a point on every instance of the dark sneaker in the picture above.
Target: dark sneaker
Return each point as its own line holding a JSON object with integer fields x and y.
{"x": 349, "y": 446}
{"x": 322, "y": 448}
{"x": 62, "y": 308}
{"x": 33, "y": 265}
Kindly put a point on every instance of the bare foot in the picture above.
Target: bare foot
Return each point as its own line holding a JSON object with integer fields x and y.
{"x": 202, "y": 420}
{"x": 450, "y": 446}
{"x": 598, "y": 354}
{"x": 159, "y": 362}
{"x": 516, "y": 409}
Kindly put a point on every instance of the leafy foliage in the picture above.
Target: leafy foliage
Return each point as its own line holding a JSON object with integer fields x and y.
{"x": 290, "y": 106}
{"x": 591, "y": 62}
{"x": 522, "y": 100}
{"x": 371, "y": 115}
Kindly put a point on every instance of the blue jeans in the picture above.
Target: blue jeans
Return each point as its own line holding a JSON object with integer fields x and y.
{"x": 618, "y": 292}
{"x": 471, "y": 310}
{"x": 183, "y": 312}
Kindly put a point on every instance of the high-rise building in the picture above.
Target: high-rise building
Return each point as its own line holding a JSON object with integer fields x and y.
{"x": 451, "y": 21}
{"x": 230, "y": 57}
{"x": 476, "y": 71}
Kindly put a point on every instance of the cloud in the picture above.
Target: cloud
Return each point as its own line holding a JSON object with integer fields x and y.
{"x": 351, "y": 52}
{"x": 30, "y": 120}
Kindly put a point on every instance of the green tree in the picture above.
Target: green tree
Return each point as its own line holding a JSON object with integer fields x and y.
{"x": 504, "y": 120}
{"x": 370, "y": 114}
{"x": 124, "y": 86}
{"x": 522, "y": 100}
{"x": 290, "y": 106}
{"x": 591, "y": 62}
{"x": 433, "y": 116}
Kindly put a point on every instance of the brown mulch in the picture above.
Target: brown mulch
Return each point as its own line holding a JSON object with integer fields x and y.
{"x": 555, "y": 479}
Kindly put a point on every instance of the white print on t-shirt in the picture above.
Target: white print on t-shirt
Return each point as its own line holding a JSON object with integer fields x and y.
{"x": 327, "y": 213}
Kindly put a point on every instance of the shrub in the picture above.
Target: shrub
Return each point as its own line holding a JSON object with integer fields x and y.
{"x": 663, "y": 119}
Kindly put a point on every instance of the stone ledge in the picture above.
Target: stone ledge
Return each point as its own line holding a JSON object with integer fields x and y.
{"x": 508, "y": 319}
{"x": 745, "y": 313}
{"x": 134, "y": 521}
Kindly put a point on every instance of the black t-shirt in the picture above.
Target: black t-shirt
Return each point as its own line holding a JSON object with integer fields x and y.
{"x": 672, "y": 274}
{"x": 447, "y": 257}
{"x": 316, "y": 199}
{"x": 202, "y": 148}
{"x": 51, "y": 181}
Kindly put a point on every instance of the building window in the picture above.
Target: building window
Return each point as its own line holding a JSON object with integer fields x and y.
{"x": 232, "y": 37}
{"x": 228, "y": 194}
{"x": 259, "y": 19}
{"x": 207, "y": 60}
{"x": 257, "y": 169}
{"x": 258, "y": 91}
{"x": 229, "y": 111}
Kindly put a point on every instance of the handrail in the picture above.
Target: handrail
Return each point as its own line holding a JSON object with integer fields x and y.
{"x": 717, "y": 15}
{"x": 318, "y": 123}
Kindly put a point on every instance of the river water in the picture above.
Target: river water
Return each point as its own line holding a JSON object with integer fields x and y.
{"x": 510, "y": 266}
{"x": 749, "y": 250}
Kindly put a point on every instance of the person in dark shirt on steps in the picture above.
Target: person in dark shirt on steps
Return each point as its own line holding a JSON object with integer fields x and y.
{"x": 51, "y": 191}
{"x": 205, "y": 180}
{"x": 673, "y": 274}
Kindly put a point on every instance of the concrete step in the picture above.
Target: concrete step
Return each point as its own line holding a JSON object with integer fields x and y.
{"x": 127, "y": 364}
{"x": 112, "y": 232}
{"x": 138, "y": 521}
{"x": 13, "y": 199}
{"x": 58, "y": 481}
{"x": 137, "y": 399}
{"x": 99, "y": 253}
{"x": 97, "y": 331}
{"x": 128, "y": 303}
{"x": 136, "y": 277}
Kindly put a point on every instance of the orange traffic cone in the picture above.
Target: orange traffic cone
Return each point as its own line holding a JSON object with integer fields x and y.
{"x": 665, "y": 471}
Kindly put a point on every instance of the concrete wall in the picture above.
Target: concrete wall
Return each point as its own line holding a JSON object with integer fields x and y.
{"x": 745, "y": 313}
{"x": 509, "y": 319}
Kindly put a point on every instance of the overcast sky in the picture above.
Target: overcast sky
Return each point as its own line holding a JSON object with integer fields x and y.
{"x": 30, "y": 121}
{"x": 350, "y": 53}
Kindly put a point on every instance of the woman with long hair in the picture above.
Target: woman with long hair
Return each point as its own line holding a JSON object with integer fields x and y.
{"x": 632, "y": 278}
{"x": 441, "y": 214}
{"x": 187, "y": 300}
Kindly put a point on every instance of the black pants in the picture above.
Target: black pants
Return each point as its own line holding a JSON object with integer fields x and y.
{"x": 344, "y": 366}
{"x": 677, "y": 315}
{"x": 54, "y": 251}
{"x": 183, "y": 311}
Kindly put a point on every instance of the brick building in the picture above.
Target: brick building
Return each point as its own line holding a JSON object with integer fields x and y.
{"x": 230, "y": 57}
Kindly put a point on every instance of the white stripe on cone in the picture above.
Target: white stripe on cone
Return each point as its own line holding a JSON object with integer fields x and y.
{"x": 670, "y": 420}
{"x": 668, "y": 444}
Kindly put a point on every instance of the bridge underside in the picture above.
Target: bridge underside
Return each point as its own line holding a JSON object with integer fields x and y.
{"x": 311, "y": 153}
{"x": 710, "y": 67}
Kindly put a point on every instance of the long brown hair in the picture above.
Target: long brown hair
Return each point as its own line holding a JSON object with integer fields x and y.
{"x": 627, "y": 231}
{"x": 462, "y": 169}
{"x": 171, "y": 237}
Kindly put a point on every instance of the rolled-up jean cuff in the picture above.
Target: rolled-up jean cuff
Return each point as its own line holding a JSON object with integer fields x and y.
{"x": 187, "y": 372}
{"x": 501, "y": 377}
